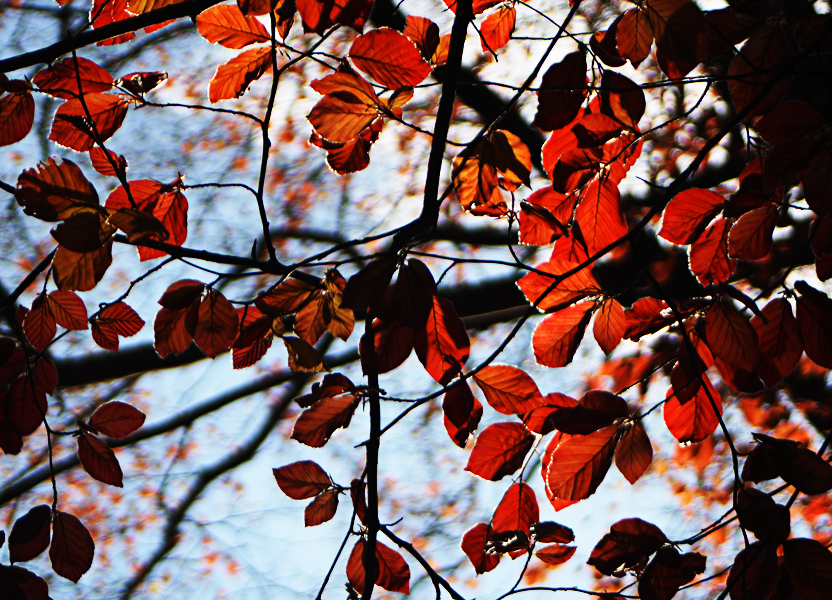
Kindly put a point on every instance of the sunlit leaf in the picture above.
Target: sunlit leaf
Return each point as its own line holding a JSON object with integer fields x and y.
{"x": 232, "y": 79}
{"x": 390, "y": 58}
{"x": 226, "y": 25}
{"x": 500, "y": 450}
{"x": 579, "y": 464}
{"x": 73, "y": 128}
{"x": 508, "y": 389}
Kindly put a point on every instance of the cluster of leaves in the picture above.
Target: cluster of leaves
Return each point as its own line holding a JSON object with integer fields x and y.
{"x": 716, "y": 343}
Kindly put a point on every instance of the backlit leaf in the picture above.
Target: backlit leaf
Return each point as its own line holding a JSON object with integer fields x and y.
{"x": 39, "y": 325}
{"x": 99, "y": 460}
{"x": 496, "y": 28}
{"x": 627, "y": 543}
{"x": 443, "y": 346}
{"x": 53, "y": 191}
{"x": 499, "y": 450}
{"x": 226, "y": 25}
{"x": 574, "y": 287}
{"x": 635, "y": 36}
{"x": 709, "y": 254}
{"x": 71, "y": 127}
{"x": 780, "y": 342}
{"x": 316, "y": 424}
{"x": 508, "y": 389}
{"x": 349, "y": 105}
{"x": 424, "y": 33}
{"x": 622, "y": 99}
{"x": 634, "y": 453}
{"x": 731, "y": 336}
{"x": 609, "y": 325}
{"x": 72, "y": 548}
{"x": 645, "y": 317}
{"x": 694, "y": 420}
{"x": 667, "y": 572}
{"x": 103, "y": 162}
{"x": 17, "y": 114}
{"x": 302, "y": 479}
{"x": 557, "y": 337}
{"x": 556, "y": 554}
{"x": 750, "y": 237}
{"x": 318, "y": 16}
{"x": 232, "y": 79}
{"x": 677, "y": 26}
{"x": 462, "y": 414}
{"x": 806, "y": 470}
{"x": 68, "y": 309}
{"x": 473, "y": 544}
{"x": 321, "y": 509}
{"x": 392, "y": 344}
{"x": 116, "y": 419}
{"x": 393, "y": 572}
{"x": 751, "y": 68}
{"x": 216, "y": 325}
{"x": 390, "y": 58}
{"x": 517, "y": 510}
{"x": 599, "y": 215}
{"x": 61, "y": 79}
{"x": 688, "y": 214}
{"x": 303, "y": 357}
{"x": 562, "y": 92}
{"x": 30, "y": 534}
{"x": 754, "y": 572}
{"x": 579, "y": 464}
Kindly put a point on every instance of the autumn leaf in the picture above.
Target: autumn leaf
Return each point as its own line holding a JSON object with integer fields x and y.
{"x": 599, "y": 215}
{"x": 232, "y": 79}
{"x": 302, "y": 479}
{"x": 667, "y": 572}
{"x": 17, "y": 115}
{"x": 496, "y": 28}
{"x": 688, "y": 214}
{"x": 318, "y": 16}
{"x": 30, "y": 534}
{"x": 321, "y": 509}
{"x": 579, "y": 464}
{"x": 424, "y": 34}
{"x": 116, "y": 419}
{"x": 462, "y": 413}
{"x": 473, "y": 545}
{"x": 815, "y": 321}
{"x": 634, "y": 36}
{"x": 557, "y": 337}
{"x": 780, "y": 342}
{"x": 72, "y": 548}
{"x": 508, "y": 389}
{"x": 72, "y": 129}
{"x": 694, "y": 420}
{"x": 536, "y": 287}
{"x": 627, "y": 543}
{"x": 556, "y": 554}
{"x": 731, "y": 336}
{"x": 99, "y": 460}
{"x": 54, "y": 190}
{"x": 316, "y": 424}
{"x": 709, "y": 254}
{"x": 561, "y": 93}
{"x": 517, "y": 511}
{"x": 216, "y": 325}
{"x": 390, "y": 58}
{"x": 499, "y": 450}
{"x": 393, "y": 572}
{"x": 443, "y": 346}
{"x": 349, "y": 105}
{"x": 809, "y": 565}
{"x": 61, "y": 78}
{"x": 634, "y": 453}
{"x": 226, "y": 25}
{"x": 609, "y": 325}
{"x": 754, "y": 572}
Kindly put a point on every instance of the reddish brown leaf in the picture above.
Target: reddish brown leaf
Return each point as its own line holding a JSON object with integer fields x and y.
{"x": 634, "y": 453}
{"x": 25, "y": 406}
{"x": 460, "y": 432}
{"x": 315, "y": 425}
{"x": 596, "y": 409}
{"x": 141, "y": 82}
{"x": 561, "y": 93}
{"x": 174, "y": 329}
{"x": 226, "y": 25}
{"x": 627, "y": 543}
{"x": 321, "y": 509}
{"x": 232, "y": 79}
{"x": 759, "y": 514}
{"x": 424, "y": 33}
{"x": 39, "y": 325}
{"x": 182, "y": 294}
{"x": 81, "y": 270}
{"x": 517, "y": 510}
{"x": 108, "y": 162}
{"x": 358, "y": 495}
{"x": 496, "y": 28}
{"x": 285, "y": 298}
{"x": 17, "y": 114}
{"x": 99, "y": 460}
{"x": 688, "y": 213}
{"x": 53, "y": 191}
{"x": 542, "y": 419}
{"x": 61, "y": 79}
{"x": 392, "y": 343}
{"x": 730, "y": 336}
{"x": 68, "y": 309}
{"x": 814, "y": 316}
{"x": 473, "y": 544}
{"x": 809, "y": 565}
{"x": 750, "y": 236}
{"x": 390, "y": 58}
{"x": 216, "y": 325}
{"x": 677, "y": 26}
{"x": 500, "y": 450}
{"x": 549, "y": 531}
{"x": 709, "y": 255}
{"x": 798, "y": 466}
{"x": 332, "y": 385}
{"x": 70, "y": 128}
{"x": 508, "y": 389}
{"x": 788, "y": 121}
{"x": 30, "y": 534}
{"x": 443, "y": 346}
{"x": 645, "y": 317}
{"x": 599, "y": 215}
{"x": 72, "y": 548}
{"x": 750, "y": 70}
{"x": 754, "y": 573}
{"x": 609, "y": 325}
{"x": 694, "y": 420}
{"x": 622, "y": 99}
{"x": 364, "y": 289}
{"x": 579, "y": 464}
{"x": 302, "y": 479}
{"x": 574, "y": 287}
{"x": 780, "y": 343}
{"x": 556, "y": 554}
{"x": 817, "y": 179}
{"x": 116, "y": 419}
{"x": 635, "y": 36}
{"x": 318, "y": 16}
{"x": 667, "y": 572}
{"x": 393, "y": 572}
{"x": 557, "y": 337}
{"x": 412, "y": 297}
{"x": 303, "y": 357}
{"x": 349, "y": 105}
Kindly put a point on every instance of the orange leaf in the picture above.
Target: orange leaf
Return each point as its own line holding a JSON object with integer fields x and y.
{"x": 574, "y": 287}
{"x": 226, "y": 25}
{"x": 103, "y": 162}
{"x": 53, "y": 191}
{"x": 508, "y": 389}
{"x": 30, "y": 534}
{"x": 555, "y": 554}
{"x": 694, "y": 420}
{"x": 232, "y": 79}
{"x": 499, "y": 451}
{"x": 496, "y": 28}
{"x": 628, "y": 542}
{"x": 116, "y": 419}
{"x": 562, "y": 92}
{"x": 557, "y": 337}
{"x": 318, "y": 15}
{"x": 599, "y": 215}
{"x": 61, "y": 79}
{"x": 579, "y": 464}
{"x": 99, "y": 460}
{"x": 730, "y": 336}
{"x": 634, "y": 453}
{"x": 390, "y": 58}
{"x": 71, "y": 129}
{"x": 321, "y": 509}
{"x": 645, "y": 317}
{"x": 17, "y": 114}
{"x": 349, "y": 105}
{"x": 72, "y": 548}
{"x": 609, "y": 325}
{"x": 688, "y": 213}
{"x": 517, "y": 511}
{"x": 473, "y": 544}
{"x": 302, "y": 479}
{"x": 216, "y": 325}
{"x": 709, "y": 255}
{"x": 443, "y": 346}
{"x": 424, "y": 33}
{"x": 316, "y": 424}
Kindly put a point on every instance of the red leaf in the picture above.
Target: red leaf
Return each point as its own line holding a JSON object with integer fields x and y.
{"x": 104, "y": 165}
{"x": 817, "y": 179}
{"x": 542, "y": 419}
{"x": 579, "y": 464}
{"x": 754, "y": 573}
{"x": 116, "y": 419}
{"x": 68, "y": 309}
{"x": 634, "y": 453}
{"x": 114, "y": 320}
{"x": 473, "y": 544}
{"x": 30, "y": 534}
{"x": 443, "y": 346}
{"x": 424, "y": 33}
{"x": 232, "y": 79}
{"x": 561, "y": 93}
{"x": 809, "y": 565}
{"x": 667, "y": 572}
{"x": 609, "y": 325}
{"x": 496, "y": 28}
{"x": 216, "y": 326}
{"x": 173, "y": 329}
{"x": 70, "y": 128}
{"x": 39, "y": 325}
{"x": 555, "y": 554}
{"x": 54, "y": 191}
{"x": 549, "y": 531}
{"x": 627, "y": 543}
{"x": 780, "y": 343}
{"x": 730, "y": 336}
{"x": 634, "y": 36}
{"x": 302, "y": 479}
{"x": 500, "y": 450}
{"x": 99, "y": 460}
{"x": 303, "y": 357}
{"x": 321, "y": 509}
{"x": 61, "y": 79}
{"x": 318, "y": 16}
{"x": 688, "y": 213}
{"x": 349, "y": 105}
{"x": 72, "y": 548}
{"x": 694, "y": 420}
{"x": 393, "y": 572}
{"x": 599, "y": 215}
{"x": 315, "y": 425}
{"x": 392, "y": 343}
{"x": 358, "y": 495}
{"x": 517, "y": 510}
{"x": 709, "y": 255}
{"x": 750, "y": 236}
{"x": 390, "y": 58}
{"x": 814, "y": 315}
{"x": 226, "y": 25}
{"x": 622, "y": 99}
{"x": 508, "y": 389}
{"x": 454, "y": 404}
{"x": 557, "y": 337}
{"x": 645, "y": 317}
{"x": 17, "y": 114}
{"x": 575, "y": 287}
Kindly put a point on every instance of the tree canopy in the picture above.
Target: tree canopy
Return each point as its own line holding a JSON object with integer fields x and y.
{"x": 424, "y": 207}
